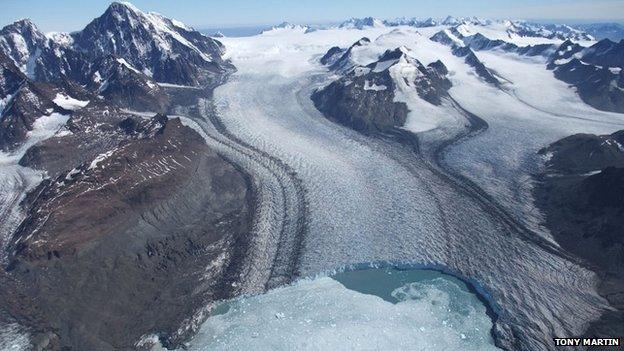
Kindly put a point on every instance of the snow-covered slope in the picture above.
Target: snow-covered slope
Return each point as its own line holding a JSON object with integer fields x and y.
{"x": 286, "y": 26}
{"x": 376, "y": 97}
{"x": 541, "y": 293}
{"x": 38, "y": 56}
{"x": 162, "y": 48}
{"x": 361, "y": 23}
{"x": 444, "y": 183}
{"x": 118, "y": 81}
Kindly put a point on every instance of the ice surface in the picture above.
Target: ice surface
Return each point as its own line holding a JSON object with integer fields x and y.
{"x": 13, "y": 338}
{"x": 533, "y": 110}
{"x": 373, "y": 201}
{"x": 503, "y": 30}
{"x": 322, "y": 314}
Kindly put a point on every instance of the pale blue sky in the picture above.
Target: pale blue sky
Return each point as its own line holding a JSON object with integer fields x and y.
{"x": 69, "y": 15}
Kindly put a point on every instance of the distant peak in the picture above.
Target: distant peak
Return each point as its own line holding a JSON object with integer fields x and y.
{"x": 123, "y": 5}
{"x": 395, "y": 54}
{"x": 123, "y": 9}
{"x": 450, "y": 21}
{"x": 360, "y": 23}
{"x": 362, "y": 41}
{"x": 24, "y": 22}
{"x": 21, "y": 25}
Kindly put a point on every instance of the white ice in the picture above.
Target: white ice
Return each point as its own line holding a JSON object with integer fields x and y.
{"x": 14, "y": 338}
{"x": 69, "y": 103}
{"x": 321, "y": 314}
{"x": 125, "y": 63}
{"x": 367, "y": 204}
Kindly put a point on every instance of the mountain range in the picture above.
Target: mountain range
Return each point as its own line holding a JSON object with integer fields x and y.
{"x": 148, "y": 170}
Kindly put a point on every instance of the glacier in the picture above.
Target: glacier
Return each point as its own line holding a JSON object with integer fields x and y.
{"x": 457, "y": 198}
{"x": 373, "y": 200}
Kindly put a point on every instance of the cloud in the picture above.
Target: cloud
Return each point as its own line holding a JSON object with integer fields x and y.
{"x": 598, "y": 10}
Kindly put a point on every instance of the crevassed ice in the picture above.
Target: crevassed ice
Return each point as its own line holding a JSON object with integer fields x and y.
{"x": 13, "y": 338}
{"x": 322, "y": 314}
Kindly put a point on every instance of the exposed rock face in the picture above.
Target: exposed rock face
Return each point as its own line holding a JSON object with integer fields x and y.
{"x": 597, "y": 86}
{"x": 116, "y": 80}
{"x": 448, "y": 37}
{"x": 91, "y": 131}
{"x": 582, "y": 194}
{"x": 364, "y": 98}
{"x": 132, "y": 241}
{"x": 39, "y": 57}
{"x": 596, "y": 72}
{"x": 342, "y": 61}
{"x": 26, "y": 101}
{"x": 584, "y": 153}
{"x": 451, "y": 21}
{"x": 163, "y": 49}
{"x": 605, "y": 53}
{"x": 473, "y": 61}
{"x": 565, "y": 52}
{"x": 429, "y": 22}
{"x": 27, "y": 104}
{"x": 366, "y": 111}
{"x": 480, "y": 42}
{"x": 10, "y": 79}
{"x": 138, "y": 225}
{"x": 613, "y": 31}
{"x": 452, "y": 37}
{"x": 331, "y": 56}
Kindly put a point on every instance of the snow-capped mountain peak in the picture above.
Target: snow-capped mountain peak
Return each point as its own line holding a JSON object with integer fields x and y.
{"x": 429, "y": 22}
{"x": 172, "y": 51}
{"x": 20, "y": 41}
{"x": 359, "y": 23}
{"x": 451, "y": 21}
{"x": 286, "y": 26}
{"x": 22, "y": 26}
{"x": 400, "y": 53}
{"x": 39, "y": 56}
{"x": 126, "y": 18}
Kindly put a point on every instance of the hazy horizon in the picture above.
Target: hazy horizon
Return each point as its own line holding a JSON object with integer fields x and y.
{"x": 71, "y": 15}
